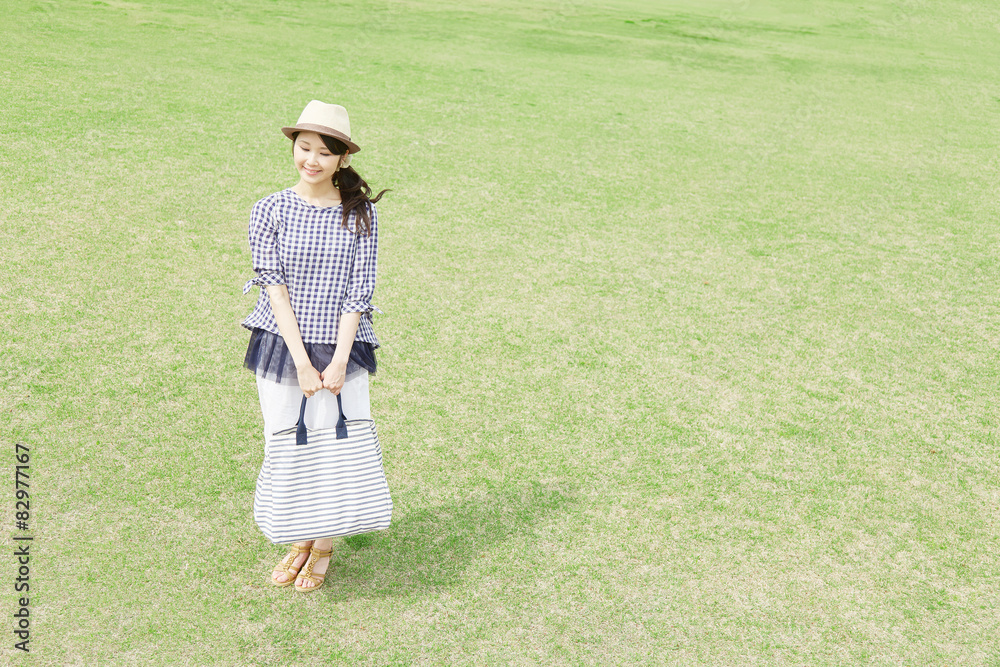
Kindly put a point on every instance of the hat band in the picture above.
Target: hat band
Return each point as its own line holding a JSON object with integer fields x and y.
{"x": 322, "y": 129}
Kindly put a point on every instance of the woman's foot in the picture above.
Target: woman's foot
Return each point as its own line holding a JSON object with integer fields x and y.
{"x": 314, "y": 572}
{"x": 285, "y": 571}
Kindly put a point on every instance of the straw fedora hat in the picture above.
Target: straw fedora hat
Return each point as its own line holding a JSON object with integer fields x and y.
{"x": 328, "y": 119}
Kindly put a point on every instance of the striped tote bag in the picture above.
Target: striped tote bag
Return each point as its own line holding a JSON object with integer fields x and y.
{"x": 322, "y": 483}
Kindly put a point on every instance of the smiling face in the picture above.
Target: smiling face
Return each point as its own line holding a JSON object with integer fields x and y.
{"x": 315, "y": 162}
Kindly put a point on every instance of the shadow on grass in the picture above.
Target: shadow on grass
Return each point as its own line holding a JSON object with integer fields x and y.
{"x": 431, "y": 548}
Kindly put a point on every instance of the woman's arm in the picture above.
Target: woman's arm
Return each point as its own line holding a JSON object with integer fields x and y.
{"x": 281, "y": 305}
{"x": 335, "y": 374}
{"x": 357, "y": 301}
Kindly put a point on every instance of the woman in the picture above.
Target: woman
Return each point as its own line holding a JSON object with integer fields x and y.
{"x": 314, "y": 248}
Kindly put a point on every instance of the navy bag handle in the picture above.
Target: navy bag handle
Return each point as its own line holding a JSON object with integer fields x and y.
{"x": 300, "y": 430}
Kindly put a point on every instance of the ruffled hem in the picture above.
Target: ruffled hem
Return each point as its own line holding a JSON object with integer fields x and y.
{"x": 268, "y": 357}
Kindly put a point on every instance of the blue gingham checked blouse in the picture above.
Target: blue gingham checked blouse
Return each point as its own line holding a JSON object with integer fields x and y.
{"x": 305, "y": 247}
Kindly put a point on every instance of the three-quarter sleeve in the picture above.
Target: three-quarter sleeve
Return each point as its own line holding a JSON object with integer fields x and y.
{"x": 361, "y": 286}
{"x": 263, "y": 238}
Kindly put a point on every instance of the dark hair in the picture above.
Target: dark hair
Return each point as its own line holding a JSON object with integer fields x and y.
{"x": 355, "y": 193}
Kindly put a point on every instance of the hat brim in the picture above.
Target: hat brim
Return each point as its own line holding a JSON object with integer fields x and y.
{"x": 324, "y": 130}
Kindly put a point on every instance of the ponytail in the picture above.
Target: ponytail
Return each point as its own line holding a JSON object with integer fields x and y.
{"x": 356, "y": 198}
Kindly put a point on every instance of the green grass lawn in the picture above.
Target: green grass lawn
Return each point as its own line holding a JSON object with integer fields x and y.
{"x": 689, "y": 346}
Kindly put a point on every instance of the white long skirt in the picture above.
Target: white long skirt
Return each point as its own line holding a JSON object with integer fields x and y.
{"x": 280, "y": 403}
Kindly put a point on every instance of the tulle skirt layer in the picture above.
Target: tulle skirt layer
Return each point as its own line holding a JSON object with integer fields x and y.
{"x": 269, "y": 358}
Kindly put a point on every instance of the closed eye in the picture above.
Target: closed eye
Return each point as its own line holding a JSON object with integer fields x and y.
{"x": 307, "y": 150}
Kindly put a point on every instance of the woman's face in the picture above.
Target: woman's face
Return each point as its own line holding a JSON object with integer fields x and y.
{"x": 313, "y": 159}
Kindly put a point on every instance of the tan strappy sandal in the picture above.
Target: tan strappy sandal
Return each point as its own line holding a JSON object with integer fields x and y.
{"x": 307, "y": 571}
{"x": 286, "y": 566}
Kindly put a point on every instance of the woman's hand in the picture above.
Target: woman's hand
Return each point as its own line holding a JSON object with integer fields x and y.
{"x": 334, "y": 375}
{"x": 310, "y": 380}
